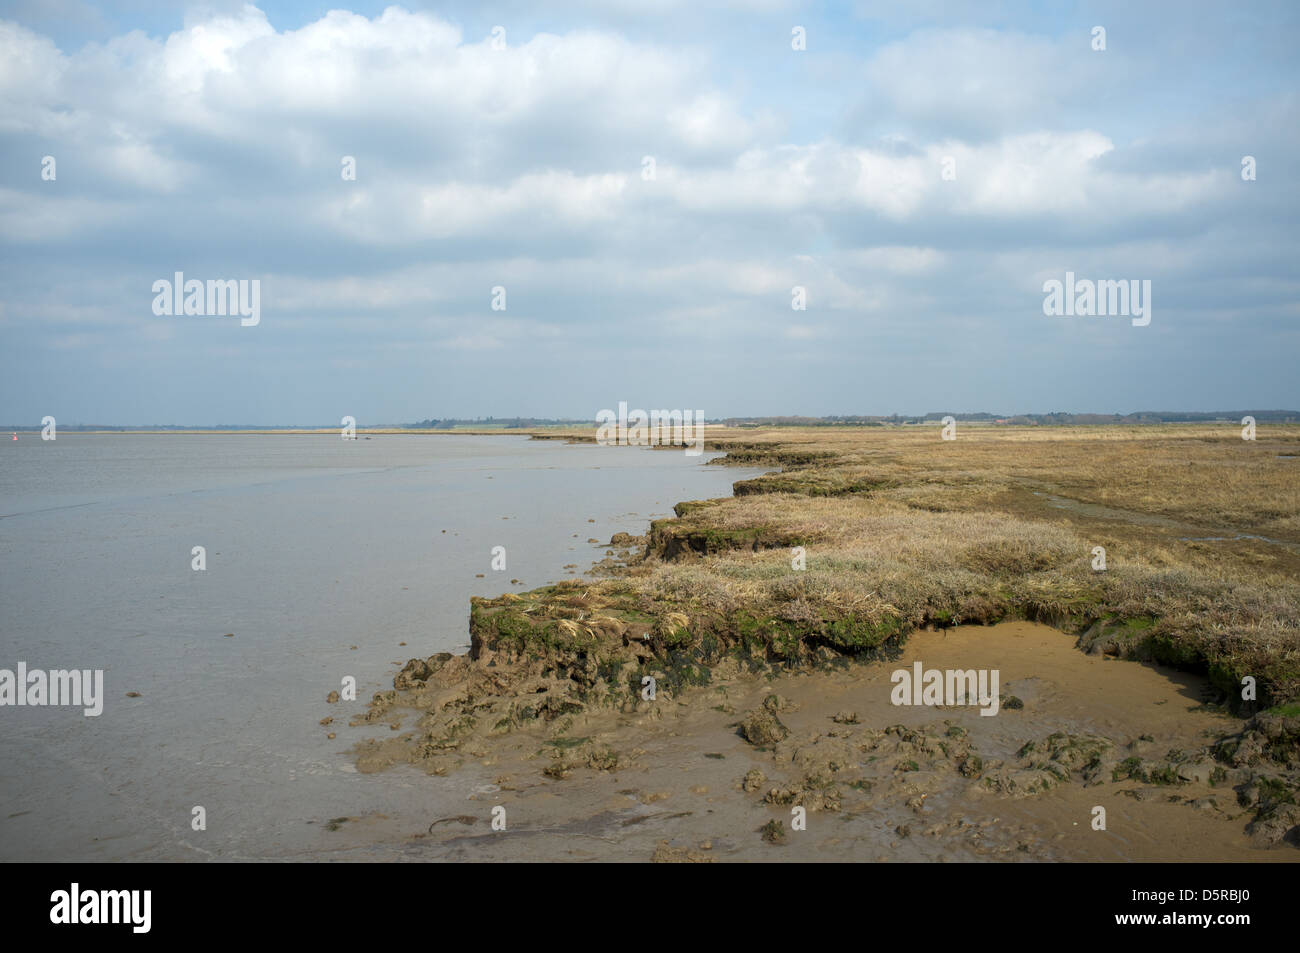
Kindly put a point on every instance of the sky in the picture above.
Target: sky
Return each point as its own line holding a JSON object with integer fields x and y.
{"x": 562, "y": 206}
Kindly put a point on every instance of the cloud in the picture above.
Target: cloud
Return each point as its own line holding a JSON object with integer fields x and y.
{"x": 215, "y": 147}
{"x": 982, "y": 81}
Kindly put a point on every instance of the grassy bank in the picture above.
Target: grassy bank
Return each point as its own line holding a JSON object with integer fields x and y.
{"x": 900, "y": 529}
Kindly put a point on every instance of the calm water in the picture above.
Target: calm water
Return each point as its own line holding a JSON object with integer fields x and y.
{"x": 314, "y": 545}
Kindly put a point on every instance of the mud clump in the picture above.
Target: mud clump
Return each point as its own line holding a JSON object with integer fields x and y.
{"x": 773, "y": 832}
{"x": 1262, "y": 762}
{"x": 807, "y": 793}
{"x": 667, "y": 854}
{"x": 1268, "y": 737}
{"x": 590, "y": 756}
{"x": 761, "y": 727}
{"x": 418, "y": 671}
{"x": 779, "y": 704}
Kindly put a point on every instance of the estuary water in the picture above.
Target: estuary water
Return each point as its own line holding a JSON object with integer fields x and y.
{"x": 322, "y": 556}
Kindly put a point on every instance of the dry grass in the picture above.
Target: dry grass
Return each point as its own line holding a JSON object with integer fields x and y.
{"x": 898, "y": 524}
{"x": 902, "y": 527}
{"x": 1201, "y": 475}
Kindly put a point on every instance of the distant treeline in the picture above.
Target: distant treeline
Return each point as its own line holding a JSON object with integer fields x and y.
{"x": 1060, "y": 419}
{"x": 509, "y": 423}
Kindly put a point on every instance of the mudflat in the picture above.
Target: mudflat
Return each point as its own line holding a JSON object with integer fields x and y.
{"x": 677, "y": 780}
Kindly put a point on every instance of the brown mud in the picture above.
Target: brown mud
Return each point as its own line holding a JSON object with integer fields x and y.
{"x": 677, "y": 780}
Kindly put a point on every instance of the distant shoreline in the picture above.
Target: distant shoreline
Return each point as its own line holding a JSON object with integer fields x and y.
{"x": 730, "y": 426}
{"x": 297, "y": 431}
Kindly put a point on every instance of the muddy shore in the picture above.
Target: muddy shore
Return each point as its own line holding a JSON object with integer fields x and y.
{"x": 777, "y": 737}
{"x": 678, "y": 780}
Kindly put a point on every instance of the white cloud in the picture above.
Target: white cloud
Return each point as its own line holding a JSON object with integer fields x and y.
{"x": 980, "y": 78}
{"x": 216, "y": 150}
